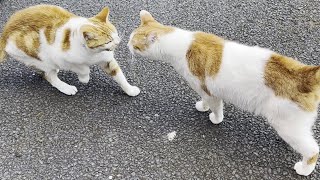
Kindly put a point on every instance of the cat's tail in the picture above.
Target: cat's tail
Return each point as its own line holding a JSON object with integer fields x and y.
{"x": 2, "y": 51}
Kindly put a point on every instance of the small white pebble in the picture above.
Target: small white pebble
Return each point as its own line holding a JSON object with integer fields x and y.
{"x": 110, "y": 177}
{"x": 156, "y": 115}
{"x": 171, "y": 135}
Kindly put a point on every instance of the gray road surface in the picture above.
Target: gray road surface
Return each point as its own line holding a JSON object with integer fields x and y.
{"x": 101, "y": 133}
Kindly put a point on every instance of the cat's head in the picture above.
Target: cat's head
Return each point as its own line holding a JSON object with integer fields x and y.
{"x": 145, "y": 38}
{"x": 100, "y": 34}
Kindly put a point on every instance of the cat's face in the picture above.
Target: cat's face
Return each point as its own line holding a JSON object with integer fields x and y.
{"x": 143, "y": 39}
{"x": 100, "y": 35}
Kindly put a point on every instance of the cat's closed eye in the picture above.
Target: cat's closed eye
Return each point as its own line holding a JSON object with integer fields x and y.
{"x": 136, "y": 48}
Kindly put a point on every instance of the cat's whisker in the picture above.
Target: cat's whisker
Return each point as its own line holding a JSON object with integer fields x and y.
{"x": 121, "y": 35}
{"x": 132, "y": 65}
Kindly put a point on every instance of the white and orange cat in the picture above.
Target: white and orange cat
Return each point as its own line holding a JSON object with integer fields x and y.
{"x": 49, "y": 38}
{"x": 255, "y": 79}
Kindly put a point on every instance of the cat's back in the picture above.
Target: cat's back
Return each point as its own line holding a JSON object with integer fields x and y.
{"x": 258, "y": 79}
{"x": 22, "y": 31}
{"x": 35, "y": 18}
{"x": 242, "y": 64}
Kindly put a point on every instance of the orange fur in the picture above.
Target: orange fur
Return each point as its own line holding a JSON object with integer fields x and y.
{"x": 100, "y": 33}
{"x": 24, "y": 27}
{"x": 103, "y": 15}
{"x": 293, "y": 80}
{"x": 96, "y": 36}
{"x": 204, "y": 56}
{"x": 66, "y": 40}
{"x": 2, "y": 49}
{"x": 26, "y": 24}
{"x": 205, "y": 89}
{"x": 111, "y": 68}
{"x": 313, "y": 159}
{"x": 148, "y": 26}
{"x": 50, "y": 33}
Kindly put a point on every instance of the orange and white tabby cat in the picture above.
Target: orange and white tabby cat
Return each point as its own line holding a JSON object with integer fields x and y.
{"x": 259, "y": 80}
{"x": 50, "y": 39}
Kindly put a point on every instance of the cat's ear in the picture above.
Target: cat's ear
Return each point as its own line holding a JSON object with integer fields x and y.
{"x": 87, "y": 33}
{"x": 146, "y": 17}
{"x": 152, "y": 37}
{"x": 88, "y": 36}
{"x": 103, "y": 15}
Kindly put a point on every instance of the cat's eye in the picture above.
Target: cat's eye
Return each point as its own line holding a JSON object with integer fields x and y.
{"x": 108, "y": 42}
{"x": 136, "y": 48}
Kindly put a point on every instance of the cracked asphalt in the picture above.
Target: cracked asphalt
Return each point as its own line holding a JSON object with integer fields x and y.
{"x": 100, "y": 133}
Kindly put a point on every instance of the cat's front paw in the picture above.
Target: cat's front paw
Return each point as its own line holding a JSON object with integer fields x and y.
{"x": 132, "y": 91}
{"x": 214, "y": 119}
{"x": 200, "y": 106}
{"x": 68, "y": 89}
{"x": 304, "y": 169}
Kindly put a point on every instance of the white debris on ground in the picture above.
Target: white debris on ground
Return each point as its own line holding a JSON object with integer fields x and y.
{"x": 171, "y": 135}
{"x": 110, "y": 177}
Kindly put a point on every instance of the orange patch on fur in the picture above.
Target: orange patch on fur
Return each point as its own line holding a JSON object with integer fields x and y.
{"x": 66, "y": 40}
{"x": 2, "y": 52}
{"x": 114, "y": 72}
{"x": 313, "y": 159}
{"x": 111, "y": 68}
{"x": 293, "y": 80}
{"x": 140, "y": 39}
{"x": 28, "y": 43}
{"x": 96, "y": 35}
{"x": 149, "y": 26}
{"x": 205, "y": 89}
{"x": 24, "y": 26}
{"x": 100, "y": 33}
{"x": 50, "y": 33}
{"x": 204, "y": 56}
{"x": 103, "y": 15}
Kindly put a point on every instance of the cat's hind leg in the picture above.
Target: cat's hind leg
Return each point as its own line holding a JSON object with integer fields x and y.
{"x": 216, "y": 106}
{"x": 52, "y": 77}
{"x": 298, "y": 134}
{"x": 202, "y": 106}
{"x": 112, "y": 68}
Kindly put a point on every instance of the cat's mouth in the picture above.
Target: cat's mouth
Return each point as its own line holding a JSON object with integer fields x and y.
{"x": 110, "y": 48}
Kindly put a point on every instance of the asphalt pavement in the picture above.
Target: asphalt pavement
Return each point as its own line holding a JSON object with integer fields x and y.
{"x": 101, "y": 133}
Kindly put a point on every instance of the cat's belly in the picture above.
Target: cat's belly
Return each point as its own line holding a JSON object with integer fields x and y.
{"x": 240, "y": 80}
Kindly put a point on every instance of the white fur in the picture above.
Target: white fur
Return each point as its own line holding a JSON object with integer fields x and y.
{"x": 240, "y": 81}
{"x": 78, "y": 58}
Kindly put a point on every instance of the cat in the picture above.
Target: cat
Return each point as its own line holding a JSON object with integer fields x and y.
{"x": 255, "y": 79}
{"x": 49, "y": 38}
